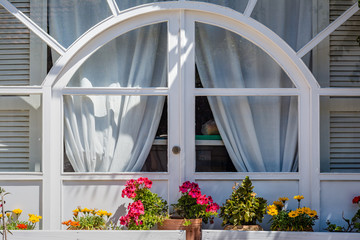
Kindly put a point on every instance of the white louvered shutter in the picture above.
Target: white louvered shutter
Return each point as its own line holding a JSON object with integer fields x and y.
{"x": 14, "y": 140}
{"x": 344, "y": 49}
{"x": 20, "y": 116}
{"x": 14, "y": 47}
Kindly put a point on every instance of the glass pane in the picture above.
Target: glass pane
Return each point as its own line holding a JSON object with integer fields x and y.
{"x": 290, "y": 19}
{"x": 20, "y": 49}
{"x": 211, "y": 154}
{"x": 69, "y": 19}
{"x": 132, "y": 3}
{"x": 114, "y": 133}
{"x": 260, "y": 134}
{"x": 135, "y": 59}
{"x": 20, "y": 133}
{"x": 340, "y": 134}
{"x": 238, "y": 5}
{"x": 227, "y": 60}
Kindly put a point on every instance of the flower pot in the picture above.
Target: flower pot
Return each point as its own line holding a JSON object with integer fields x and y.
{"x": 193, "y": 231}
{"x": 244, "y": 227}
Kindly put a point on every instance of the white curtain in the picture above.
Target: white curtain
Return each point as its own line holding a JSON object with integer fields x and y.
{"x": 111, "y": 133}
{"x": 260, "y": 133}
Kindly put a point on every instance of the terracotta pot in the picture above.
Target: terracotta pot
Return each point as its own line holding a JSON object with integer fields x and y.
{"x": 244, "y": 227}
{"x": 193, "y": 231}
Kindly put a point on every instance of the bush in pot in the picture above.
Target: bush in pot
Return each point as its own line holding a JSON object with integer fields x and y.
{"x": 191, "y": 209}
{"x": 243, "y": 208}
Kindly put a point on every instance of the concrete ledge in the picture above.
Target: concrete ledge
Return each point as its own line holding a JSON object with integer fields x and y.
{"x": 96, "y": 235}
{"x": 270, "y": 235}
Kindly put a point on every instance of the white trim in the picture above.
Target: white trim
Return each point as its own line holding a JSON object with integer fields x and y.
{"x": 116, "y": 91}
{"x": 246, "y": 91}
{"x": 20, "y": 90}
{"x": 328, "y": 30}
{"x": 250, "y": 8}
{"x": 113, "y": 7}
{"x": 33, "y": 27}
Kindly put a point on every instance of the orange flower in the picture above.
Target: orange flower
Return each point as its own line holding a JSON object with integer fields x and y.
{"x": 67, "y": 223}
{"x": 75, "y": 224}
{"x": 21, "y": 226}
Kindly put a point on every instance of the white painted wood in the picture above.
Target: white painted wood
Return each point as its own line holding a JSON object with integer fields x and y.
{"x": 250, "y": 7}
{"x": 96, "y": 235}
{"x": 328, "y": 30}
{"x": 250, "y": 235}
{"x": 33, "y": 27}
{"x": 246, "y": 91}
{"x": 113, "y": 7}
{"x": 116, "y": 91}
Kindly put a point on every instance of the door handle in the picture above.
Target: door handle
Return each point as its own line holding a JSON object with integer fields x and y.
{"x": 176, "y": 149}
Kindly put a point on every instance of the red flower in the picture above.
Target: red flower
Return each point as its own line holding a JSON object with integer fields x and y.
{"x": 195, "y": 193}
{"x": 356, "y": 199}
{"x": 202, "y": 200}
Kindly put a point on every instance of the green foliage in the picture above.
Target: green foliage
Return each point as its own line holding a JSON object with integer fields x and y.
{"x": 155, "y": 209}
{"x": 353, "y": 224}
{"x": 88, "y": 219}
{"x": 243, "y": 207}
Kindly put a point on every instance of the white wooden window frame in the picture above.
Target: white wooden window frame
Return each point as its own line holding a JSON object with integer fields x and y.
{"x": 181, "y": 16}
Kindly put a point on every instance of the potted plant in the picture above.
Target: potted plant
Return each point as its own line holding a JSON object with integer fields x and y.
{"x": 243, "y": 208}
{"x": 147, "y": 210}
{"x": 10, "y": 219}
{"x": 353, "y": 224}
{"x": 88, "y": 219}
{"x": 301, "y": 219}
{"x": 191, "y": 209}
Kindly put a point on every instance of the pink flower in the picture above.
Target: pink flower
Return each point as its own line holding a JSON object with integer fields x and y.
{"x": 202, "y": 200}
{"x": 148, "y": 183}
{"x": 194, "y": 193}
{"x": 140, "y": 180}
{"x": 210, "y": 199}
{"x": 213, "y": 207}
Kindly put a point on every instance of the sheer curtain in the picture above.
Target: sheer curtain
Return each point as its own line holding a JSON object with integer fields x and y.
{"x": 260, "y": 133}
{"x": 112, "y": 133}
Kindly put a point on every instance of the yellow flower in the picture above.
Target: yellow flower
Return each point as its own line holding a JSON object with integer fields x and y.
{"x": 0, "y": 215}
{"x": 306, "y": 210}
{"x": 278, "y": 203}
{"x": 272, "y": 212}
{"x": 299, "y": 197}
{"x": 85, "y": 210}
{"x": 109, "y": 214}
{"x": 34, "y": 218}
{"x": 313, "y": 213}
{"x": 253, "y": 194}
{"x": 8, "y": 214}
{"x": 300, "y": 211}
{"x": 76, "y": 212}
{"x": 293, "y": 214}
{"x": 283, "y": 199}
{"x": 17, "y": 211}
{"x": 101, "y": 212}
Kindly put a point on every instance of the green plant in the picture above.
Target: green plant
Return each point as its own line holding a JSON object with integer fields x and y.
{"x": 192, "y": 204}
{"x": 243, "y": 207}
{"x": 88, "y": 219}
{"x": 148, "y": 208}
{"x": 9, "y": 219}
{"x": 301, "y": 219}
{"x": 353, "y": 224}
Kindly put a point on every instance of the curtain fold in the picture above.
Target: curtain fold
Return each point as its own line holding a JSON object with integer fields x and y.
{"x": 260, "y": 133}
{"x": 107, "y": 133}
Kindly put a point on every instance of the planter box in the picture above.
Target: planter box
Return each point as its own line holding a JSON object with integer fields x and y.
{"x": 269, "y": 235}
{"x": 96, "y": 235}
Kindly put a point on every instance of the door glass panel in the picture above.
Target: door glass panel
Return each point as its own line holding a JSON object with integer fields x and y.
{"x": 290, "y": 19}
{"x": 259, "y": 133}
{"x": 227, "y": 60}
{"x": 135, "y": 59}
{"x": 69, "y": 19}
{"x": 238, "y": 5}
{"x": 132, "y": 3}
{"x": 113, "y": 133}
{"x": 340, "y": 134}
